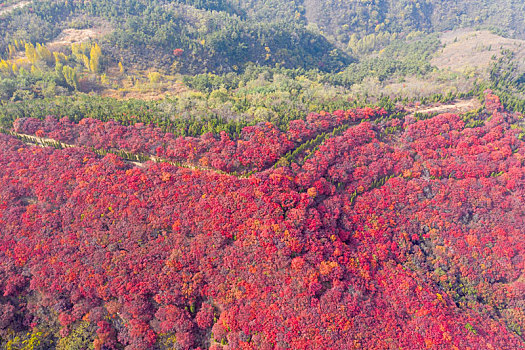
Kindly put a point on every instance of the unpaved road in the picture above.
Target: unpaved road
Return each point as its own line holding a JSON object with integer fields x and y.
{"x": 46, "y": 142}
{"x": 459, "y": 106}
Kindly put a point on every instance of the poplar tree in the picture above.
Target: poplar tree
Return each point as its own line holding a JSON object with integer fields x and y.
{"x": 31, "y": 53}
{"x": 95, "y": 56}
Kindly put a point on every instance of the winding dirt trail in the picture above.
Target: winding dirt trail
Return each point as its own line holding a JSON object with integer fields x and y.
{"x": 139, "y": 160}
{"x": 47, "y": 142}
{"x": 459, "y": 106}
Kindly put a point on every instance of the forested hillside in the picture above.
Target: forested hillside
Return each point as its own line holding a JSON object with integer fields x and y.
{"x": 342, "y": 18}
{"x": 356, "y": 229}
{"x": 224, "y": 35}
{"x": 262, "y": 174}
{"x": 209, "y": 36}
{"x": 358, "y": 46}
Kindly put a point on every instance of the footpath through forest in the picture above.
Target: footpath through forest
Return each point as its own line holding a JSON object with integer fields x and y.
{"x": 459, "y": 106}
{"x": 140, "y": 159}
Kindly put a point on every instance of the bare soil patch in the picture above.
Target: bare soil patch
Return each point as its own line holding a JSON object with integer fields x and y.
{"x": 9, "y": 8}
{"x": 145, "y": 94}
{"x": 73, "y": 36}
{"x": 467, "y": 48}
{"x": 135, "y": 85}
{"x": 459, "y": 106}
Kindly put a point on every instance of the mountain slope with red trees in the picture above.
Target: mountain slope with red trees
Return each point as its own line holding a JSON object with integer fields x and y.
{"x": 390, "y": 234}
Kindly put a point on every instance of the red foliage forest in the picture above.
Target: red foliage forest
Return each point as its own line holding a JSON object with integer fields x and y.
{"x": 390, "y": 234}
{"x": 257, "y": 147}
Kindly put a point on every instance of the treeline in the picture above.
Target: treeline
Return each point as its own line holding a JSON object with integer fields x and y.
{"x": 507, "y": 78}
{"x": 126, "y": 112}
{"x": 221, "y": 103}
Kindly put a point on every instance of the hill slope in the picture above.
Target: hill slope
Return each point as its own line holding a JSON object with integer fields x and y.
{"x": 393, "y": 231}
{"x": 223, "y": 36}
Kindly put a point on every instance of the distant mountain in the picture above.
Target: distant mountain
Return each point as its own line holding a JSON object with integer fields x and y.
{"x": 342, "y": 18}
{"x": 225, "y": 35}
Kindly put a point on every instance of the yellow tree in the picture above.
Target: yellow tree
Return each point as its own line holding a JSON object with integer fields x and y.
{"x": 5, "y": 67}
{"x": 12, "y": 50}
{"x": 95, "y": 56}
{"x": 59, "y": 70}
{"x": 71, "y": 76}
{"x": 86, "y": 61}
{"x": 59, "y": 57}
{"x": 31, "y": 53}
{"x": 75, "y": 49}
{"x": 80, "y": 52}
{"x": 44, "y": 54}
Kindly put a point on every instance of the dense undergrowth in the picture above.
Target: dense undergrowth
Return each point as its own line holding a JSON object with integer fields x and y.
{"x": 391, "y": 232}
